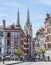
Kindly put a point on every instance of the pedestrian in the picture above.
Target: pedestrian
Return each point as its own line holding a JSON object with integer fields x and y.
{"x": 48, "y": 58}
{"x": 3, "y": 58}
{"x": 23, "y": 58}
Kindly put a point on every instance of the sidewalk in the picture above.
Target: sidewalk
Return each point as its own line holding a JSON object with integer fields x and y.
{"x": 41, "y": 63}
{"x": 10, "y": 62}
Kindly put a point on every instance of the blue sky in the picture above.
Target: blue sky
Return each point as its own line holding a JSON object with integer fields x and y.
{"x": 37, "y": 9}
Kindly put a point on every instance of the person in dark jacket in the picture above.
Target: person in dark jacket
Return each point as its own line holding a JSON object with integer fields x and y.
{"x": 3, "y": 58}
{"x": 48, "y": 58}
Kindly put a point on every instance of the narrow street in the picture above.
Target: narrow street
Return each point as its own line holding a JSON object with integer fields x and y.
{"x": 34, "y": 63}
{"x": 24, "y": 63}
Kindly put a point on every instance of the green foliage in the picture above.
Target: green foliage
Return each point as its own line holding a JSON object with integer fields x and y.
{"x": 19, "y": 52}
{"x": 42, "y": 50}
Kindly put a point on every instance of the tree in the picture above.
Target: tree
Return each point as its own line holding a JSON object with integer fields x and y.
{"x": 19, "y": 52}
{"x": 42, "y": 51}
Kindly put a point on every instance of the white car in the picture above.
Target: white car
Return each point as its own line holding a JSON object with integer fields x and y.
{"x": 7, "y": 57}
{"x": 12, "y": 57}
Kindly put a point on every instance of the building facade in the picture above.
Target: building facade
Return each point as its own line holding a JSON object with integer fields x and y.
{"x": 15, "y": 38}
{"x": 41, "y": 37}
{"x": 39, "y": 41}
{"x": 48, "y": 34}
{"x": 1, "y": 42}
{"x": 33, "y": 48}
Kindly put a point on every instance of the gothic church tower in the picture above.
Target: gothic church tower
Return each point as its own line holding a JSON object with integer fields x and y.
{"x": 18, "y": 21}
{"x": 28, "y": 26}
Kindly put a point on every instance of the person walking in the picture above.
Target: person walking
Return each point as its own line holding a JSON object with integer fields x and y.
{"x": 3, "y": 58}
{"x": 48, "y": 58}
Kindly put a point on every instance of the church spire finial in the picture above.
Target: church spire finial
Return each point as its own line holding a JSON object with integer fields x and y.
{"x": 18, "y": 19}
{"x": 28, "y": 19}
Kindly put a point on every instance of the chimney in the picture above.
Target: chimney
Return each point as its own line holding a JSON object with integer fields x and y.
{"x": 48, "y": 15}
{"x": 4, "y": 23}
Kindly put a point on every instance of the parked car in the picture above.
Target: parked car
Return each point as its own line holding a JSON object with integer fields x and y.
{"x": 12, "y": 57}
{"x": 7, "y": 57}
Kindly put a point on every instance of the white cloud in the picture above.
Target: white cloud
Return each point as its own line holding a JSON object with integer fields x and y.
{"x": 37, "y": 16}
{"x": 1, "y": 15}
{"x": 11, "y": 3}
{"x": 45, "y": 2}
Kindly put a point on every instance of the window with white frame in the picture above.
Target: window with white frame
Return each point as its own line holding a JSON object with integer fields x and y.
{"x": 16, "y": 35}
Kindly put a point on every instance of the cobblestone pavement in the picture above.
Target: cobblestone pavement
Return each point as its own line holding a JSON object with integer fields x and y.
{"x": 9, "y": 62}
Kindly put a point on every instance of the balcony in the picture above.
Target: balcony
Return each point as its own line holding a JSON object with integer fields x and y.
{"x": 48, "y": 26}
{"x": 22, "y": 46}
{"x": 48, "y": 33}
{"x": 22, "y": 39}
{"x": 48, "y": 41}
{"x": 25, "y": 43}
{"x": 26, "y": 48}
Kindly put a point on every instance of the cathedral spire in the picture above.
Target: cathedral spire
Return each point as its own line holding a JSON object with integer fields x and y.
{"x": 28, "y": 26}
{"x": 18, "y": 19}
{"x": 28, "y": 19}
